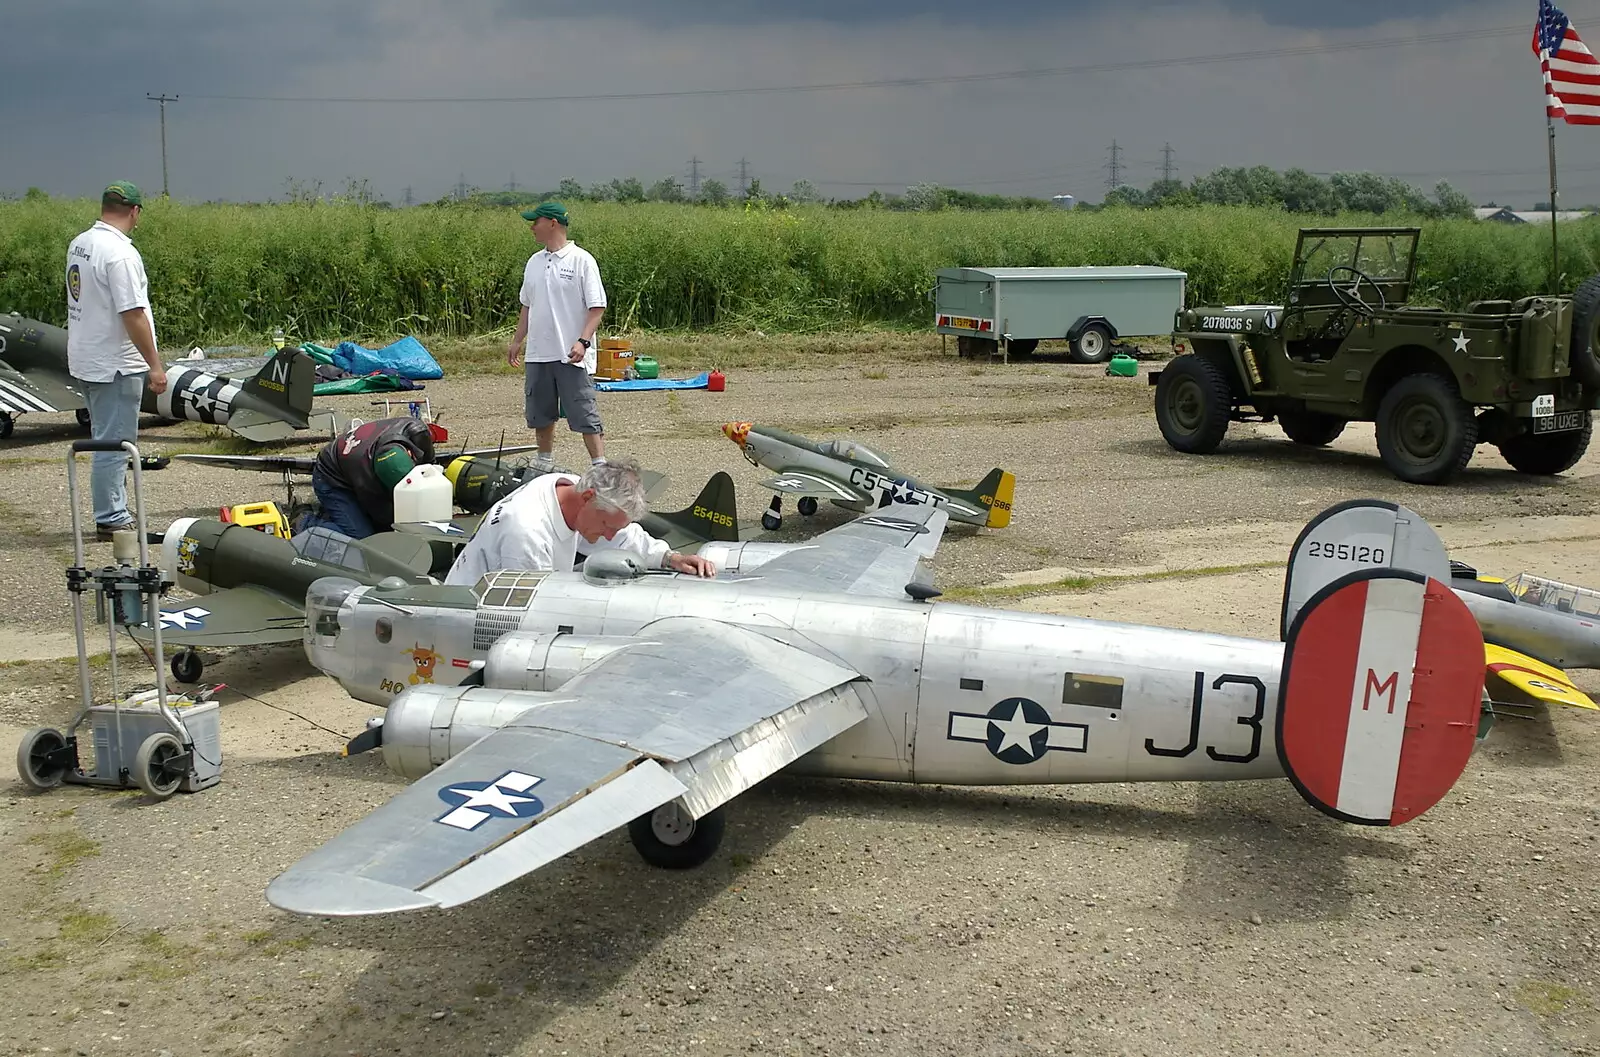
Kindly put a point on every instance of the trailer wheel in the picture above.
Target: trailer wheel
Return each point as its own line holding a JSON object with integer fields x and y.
{"x": 1092, "y": 345}
{"x": 1021, "y": 346}
{"x": 969, "y": 347}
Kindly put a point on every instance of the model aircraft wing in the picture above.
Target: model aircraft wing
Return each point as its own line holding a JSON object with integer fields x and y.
{"x": 695, "y": 711}
{"x": 875, "y": 554}
{"x": 237, "y": 616}
{"x": 37, "y": 389}
{"x": 265, "y": 463}
{"x": 1536, "y": 679}
{"x": 812, "y": 483}
{"x": 457, "y": 530}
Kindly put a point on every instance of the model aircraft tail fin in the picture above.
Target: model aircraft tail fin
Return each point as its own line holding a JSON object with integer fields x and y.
{"x": 1381, "y": 695}
{"x": 1359, "y": 534}
{"x": 714, "y": 514}
{"x": 286, "y": 384}
{"x": 994, "y": 494}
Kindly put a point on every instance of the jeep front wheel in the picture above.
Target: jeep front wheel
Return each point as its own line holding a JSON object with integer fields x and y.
{"x": 1311, "y": 428}
{"x": 1426, "y": 432}
{"x": 1193, "y": 404}
{"x": 1547, "y": 453}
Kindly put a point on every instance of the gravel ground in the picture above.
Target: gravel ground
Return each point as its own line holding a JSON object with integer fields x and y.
{"x": 840, "y": 917}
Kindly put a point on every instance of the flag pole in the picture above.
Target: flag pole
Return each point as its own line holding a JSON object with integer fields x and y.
{"x": 1555, "y": 253}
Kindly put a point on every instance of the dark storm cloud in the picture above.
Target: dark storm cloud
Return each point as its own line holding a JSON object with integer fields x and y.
{"x": 1300, "y": 14}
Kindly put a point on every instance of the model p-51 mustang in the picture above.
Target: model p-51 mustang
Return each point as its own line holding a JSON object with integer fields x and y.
{"x": 613, "y": 696}
{"x": 854, "y": 476}
{"x": 261, "y": 402}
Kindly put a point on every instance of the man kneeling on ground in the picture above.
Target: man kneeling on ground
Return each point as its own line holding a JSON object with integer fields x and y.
{"x": 354, "y": 475}
{"x": 544, "y": 524}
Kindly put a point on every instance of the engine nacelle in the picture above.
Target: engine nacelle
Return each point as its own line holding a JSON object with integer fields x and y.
{"x": 543, "y": 661}
{"x": 426, "y": 724}
{"x": 743, "y": 557}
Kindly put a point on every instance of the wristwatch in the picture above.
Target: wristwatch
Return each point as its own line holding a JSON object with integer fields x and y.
{"x": 585, "y": 343}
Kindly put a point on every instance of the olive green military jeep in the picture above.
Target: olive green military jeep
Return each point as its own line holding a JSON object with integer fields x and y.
{"x": 1346, "y": 346}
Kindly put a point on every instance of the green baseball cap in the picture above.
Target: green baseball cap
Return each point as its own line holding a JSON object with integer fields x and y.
{"x": 554, "y": 210}
{"x": 122, "y": 191}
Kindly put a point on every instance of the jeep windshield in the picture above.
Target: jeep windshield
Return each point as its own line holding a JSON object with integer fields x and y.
{"x": 1386, "y": 255}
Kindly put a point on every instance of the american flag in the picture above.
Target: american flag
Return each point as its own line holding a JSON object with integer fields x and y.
{"x": 1571, "y": 72}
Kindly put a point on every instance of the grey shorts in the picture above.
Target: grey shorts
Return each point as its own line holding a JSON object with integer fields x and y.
{"x": 549, "y": 389}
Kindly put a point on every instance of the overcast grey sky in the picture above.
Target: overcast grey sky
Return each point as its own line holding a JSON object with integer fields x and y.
{"x": 1470, "y": 109}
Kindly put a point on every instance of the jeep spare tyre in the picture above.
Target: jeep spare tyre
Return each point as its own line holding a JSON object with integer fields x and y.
{"x": 1193, "y": 404}
{"x": 1426, "y": 432}
{"x": 1583, "y": 357}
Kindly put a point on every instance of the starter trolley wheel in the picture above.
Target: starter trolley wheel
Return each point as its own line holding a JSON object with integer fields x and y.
{"x": 39, "y": 758}
{"x": 673, "y": 839}
{"x": 153, "y": 768}
{"x": 807, "y": 505}
{"x": 83, "y": 418}
{"x": 187, "y": 666}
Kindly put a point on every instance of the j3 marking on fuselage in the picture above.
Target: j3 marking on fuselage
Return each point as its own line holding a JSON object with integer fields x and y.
{"x": 852, "y": 475}
{"x": 618, "y": 696}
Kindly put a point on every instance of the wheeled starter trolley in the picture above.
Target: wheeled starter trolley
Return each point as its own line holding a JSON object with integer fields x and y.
{"x": 158, "y": 743}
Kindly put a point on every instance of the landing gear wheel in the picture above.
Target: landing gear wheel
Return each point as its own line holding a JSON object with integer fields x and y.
{"x": 83, "y": 418}
{"x": 772, "y": 517}
{"x": 1092, "y": 345}
{"x": 34, "y": 761}
{"x": 152, "y": 767}
{"x": 1548, "y": 453}
{"x": 187, "y": 666}
{"x": 807, "y": 505}
{"x": 1193, "y": 404}
{"x": 8, "y": 422}
{"x": 669, "y": 838}
{"x": 1311, "y": 428}
{"x": 1426, "y": 432}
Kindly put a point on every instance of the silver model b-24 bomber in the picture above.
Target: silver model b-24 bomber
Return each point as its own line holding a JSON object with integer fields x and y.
{"x": 611, "y": 696}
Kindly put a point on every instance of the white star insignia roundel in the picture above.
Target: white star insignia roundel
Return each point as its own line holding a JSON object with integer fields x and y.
{"x": 193, "y": 617}
{"x": 477, "y": 802}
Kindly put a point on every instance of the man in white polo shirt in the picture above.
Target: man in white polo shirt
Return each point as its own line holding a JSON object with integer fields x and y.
{"x": 562, "y": 302}
{"x": 111, "y": 343}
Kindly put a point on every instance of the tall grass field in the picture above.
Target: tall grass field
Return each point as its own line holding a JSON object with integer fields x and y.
{"x": 328, "y": 272}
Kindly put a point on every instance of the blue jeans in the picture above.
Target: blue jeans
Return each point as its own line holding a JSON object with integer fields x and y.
{"x": 340, "y": 510}
{"x": 113, "y": 415}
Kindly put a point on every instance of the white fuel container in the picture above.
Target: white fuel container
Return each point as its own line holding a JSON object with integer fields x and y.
{"x": 425, "y": 494}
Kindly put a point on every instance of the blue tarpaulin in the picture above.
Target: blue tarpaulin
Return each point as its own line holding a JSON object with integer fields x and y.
{"x": 406, "y": 358}
{"x": 699, "y": 381}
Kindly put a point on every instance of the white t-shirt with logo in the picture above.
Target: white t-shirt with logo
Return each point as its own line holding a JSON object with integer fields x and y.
{"x": 559, "y": 289}
{"x": 525, "y": 532}
{"x": 105, "y": 277}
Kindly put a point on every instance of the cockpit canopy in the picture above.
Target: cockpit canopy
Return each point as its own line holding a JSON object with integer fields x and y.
{"x": 1553, "y": 594}
{"x": 853, "y": 449}
{"x": 506, "y": 588}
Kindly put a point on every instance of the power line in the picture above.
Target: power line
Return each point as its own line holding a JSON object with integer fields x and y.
{"x": 911, "y": 82}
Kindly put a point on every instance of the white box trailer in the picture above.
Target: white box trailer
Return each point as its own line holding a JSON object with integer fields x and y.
{"x": 1010, "y": 310}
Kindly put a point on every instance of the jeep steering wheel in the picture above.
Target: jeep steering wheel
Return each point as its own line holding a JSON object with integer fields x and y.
{"x": 1350, "y": 298}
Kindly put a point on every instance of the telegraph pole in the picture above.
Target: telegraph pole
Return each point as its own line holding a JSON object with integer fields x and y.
{"x": 163, "y": 100}
{"x": 1166, "y": 164}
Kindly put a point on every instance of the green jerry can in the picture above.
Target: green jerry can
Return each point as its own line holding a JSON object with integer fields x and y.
{"x": 646, "y": 366}
{"x": 1123, "y": 366}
